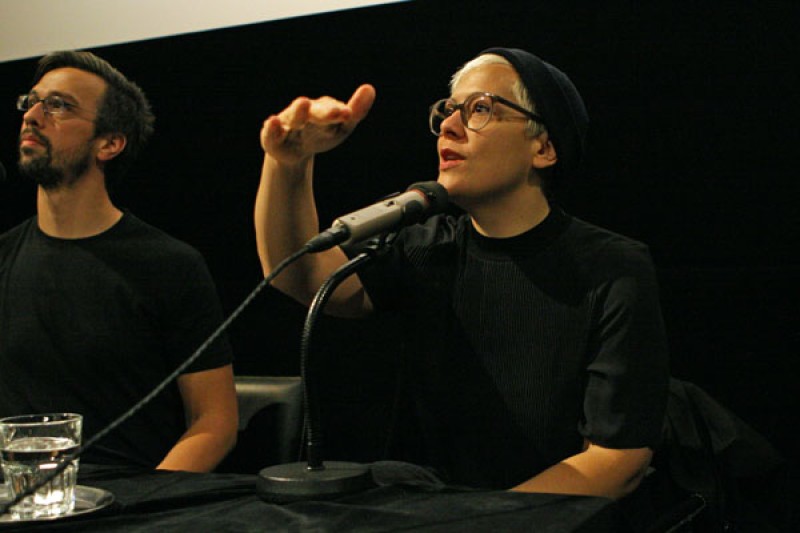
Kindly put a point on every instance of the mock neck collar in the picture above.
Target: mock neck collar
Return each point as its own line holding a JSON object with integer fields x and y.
{"x": 524, "y": 244}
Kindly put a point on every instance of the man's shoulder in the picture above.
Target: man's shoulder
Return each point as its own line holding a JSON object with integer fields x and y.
{"x": 10, "y": 238}
{"x": 154, "y": 239}
{"x": 19, "y": 228}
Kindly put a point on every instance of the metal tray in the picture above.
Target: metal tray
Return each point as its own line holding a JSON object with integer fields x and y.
{"x": 87, "y": 500}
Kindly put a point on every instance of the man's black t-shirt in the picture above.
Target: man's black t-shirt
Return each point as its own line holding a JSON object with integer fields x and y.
{"x": 93, "y": 325}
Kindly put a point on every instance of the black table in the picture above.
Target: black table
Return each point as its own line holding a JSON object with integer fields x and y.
{"x": 154, "y": 501}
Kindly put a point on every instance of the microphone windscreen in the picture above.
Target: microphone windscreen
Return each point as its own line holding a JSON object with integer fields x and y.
{"x": 435, "y": 193}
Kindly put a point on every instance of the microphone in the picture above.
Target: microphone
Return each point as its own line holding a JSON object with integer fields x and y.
{"x": 420, "y": 201}
{"x": 2, "y": 172}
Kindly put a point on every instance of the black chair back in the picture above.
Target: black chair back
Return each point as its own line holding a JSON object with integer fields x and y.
{"x": 270, "y": 423}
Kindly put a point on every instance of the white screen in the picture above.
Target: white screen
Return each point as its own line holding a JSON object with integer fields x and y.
{"x": 30, "y": 28}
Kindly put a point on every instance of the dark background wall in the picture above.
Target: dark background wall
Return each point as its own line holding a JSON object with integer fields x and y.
{"x": 693, "y": 149}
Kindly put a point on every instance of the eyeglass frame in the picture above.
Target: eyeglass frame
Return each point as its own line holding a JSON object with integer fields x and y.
{"x": 47, "y": 106}
{"x": 461, "y": 108}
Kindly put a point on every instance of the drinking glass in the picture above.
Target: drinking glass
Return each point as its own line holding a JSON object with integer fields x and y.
{"x": 31, "y": 446}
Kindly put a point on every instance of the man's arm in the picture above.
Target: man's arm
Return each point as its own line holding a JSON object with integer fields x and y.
{"x": 212, "y": 419}
{"x": 285, "y": 212}
{"x": 596, "y": 471}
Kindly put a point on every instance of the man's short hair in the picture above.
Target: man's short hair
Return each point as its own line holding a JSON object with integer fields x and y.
{"x": 123, "y": 109}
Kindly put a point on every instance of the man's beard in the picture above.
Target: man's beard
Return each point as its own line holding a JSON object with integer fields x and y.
{"x": 46, "y": 174}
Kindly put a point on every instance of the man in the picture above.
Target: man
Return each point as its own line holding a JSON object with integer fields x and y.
{"x": 538, "y": 359}
{"x": 96, "y": 306}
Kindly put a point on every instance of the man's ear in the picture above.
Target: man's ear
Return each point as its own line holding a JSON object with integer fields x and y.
{"x": 110, "y": 146}
{"x": 544, "y": 154}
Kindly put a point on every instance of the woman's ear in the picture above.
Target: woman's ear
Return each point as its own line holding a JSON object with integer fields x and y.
{"x": 544, "y": 152}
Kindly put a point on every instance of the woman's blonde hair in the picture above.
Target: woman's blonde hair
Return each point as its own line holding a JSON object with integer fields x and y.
{"x": 533, "y": 128}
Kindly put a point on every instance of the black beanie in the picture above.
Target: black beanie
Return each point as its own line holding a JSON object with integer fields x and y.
{"x": 557, "y": 101}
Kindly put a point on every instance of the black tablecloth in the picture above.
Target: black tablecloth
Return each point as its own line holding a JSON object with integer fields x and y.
{"x": 155, "y": 501}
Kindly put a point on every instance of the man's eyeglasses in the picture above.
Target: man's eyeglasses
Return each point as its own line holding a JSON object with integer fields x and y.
{"x": 476, "y": 111}
{"x": 52, "y": 105}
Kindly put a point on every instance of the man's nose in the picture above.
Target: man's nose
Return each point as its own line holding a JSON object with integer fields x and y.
{"x": 35, "y": 114}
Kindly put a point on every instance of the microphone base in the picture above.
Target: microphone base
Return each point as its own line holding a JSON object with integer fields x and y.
{"x": 295, "y": 481}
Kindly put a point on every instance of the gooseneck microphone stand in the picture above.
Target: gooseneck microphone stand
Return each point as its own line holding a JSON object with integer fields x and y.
{"x": 316, "y": 478}
{"x": 293, "y": 481}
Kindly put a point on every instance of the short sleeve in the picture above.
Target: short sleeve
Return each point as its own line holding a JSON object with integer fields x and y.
{"x": 627, "y": 379}
{"x": 194, "y": 314}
